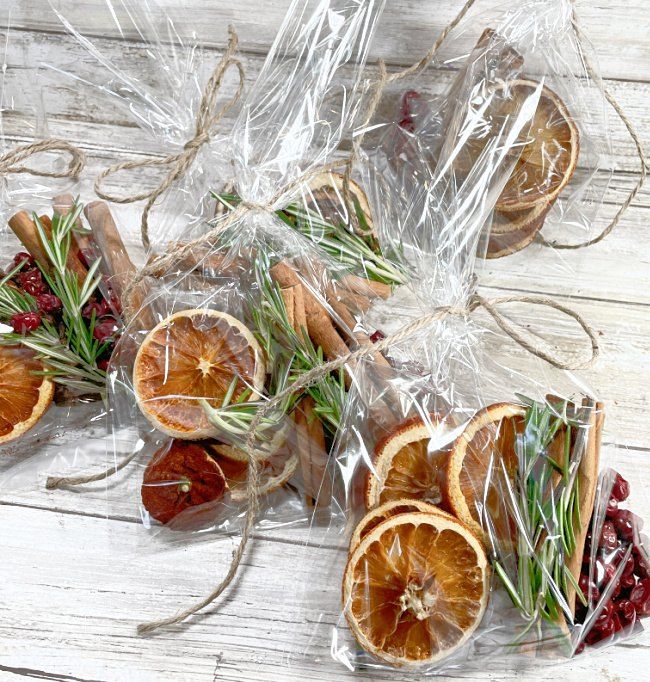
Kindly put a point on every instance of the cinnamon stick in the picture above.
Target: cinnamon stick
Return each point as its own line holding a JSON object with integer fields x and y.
{"x": 288, "y": 297}
{"x": 320, "y": 484}
{"x": 72, "y": 262}
{"x": 25, "y": 229}
{"x": 588, "y": 483}
{"x": 361, "y": 285}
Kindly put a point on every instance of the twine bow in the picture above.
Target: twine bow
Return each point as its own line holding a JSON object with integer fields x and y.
{"x": 10, "y": 162}
{"x": 206, "y": 119}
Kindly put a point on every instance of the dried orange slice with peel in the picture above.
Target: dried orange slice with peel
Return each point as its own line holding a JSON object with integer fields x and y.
{"x": 416, "y": 588}
{"x": 275, "y": 471}
{"x": 25, "y": 395}
{"x": 179, "y": 476}
{"x": 194, "y": 355}
{"x": 404, "y": 467}
{"x": 507, "y": 243}
{"x": 549, "y": 152}
{"x": 484, "y": 451}
{"x": 384, "y": 511}
{"x": 327, "y": 193}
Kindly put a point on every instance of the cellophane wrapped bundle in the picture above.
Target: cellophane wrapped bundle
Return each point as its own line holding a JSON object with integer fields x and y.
{"x": 230, "y": 311}
{"x": 59, "y": 315}
{"x": 471, "y": 505}
{"x": 527, "y": 58}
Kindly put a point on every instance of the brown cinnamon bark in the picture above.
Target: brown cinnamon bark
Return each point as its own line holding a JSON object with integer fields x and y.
{"x": 73, "y": 263}
{"x": 288, "y": 297}
{"x": 25, "y": 229}
{"x": 320, "y": 485}
{"x": 362, "y": 286}
{"x": 588, "y": 483}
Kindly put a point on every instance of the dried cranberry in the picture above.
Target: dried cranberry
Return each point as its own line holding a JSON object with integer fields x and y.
{"x": 640, "y": 597}
{"x": 588, "y": 588}
{"x": 24, "y": 259}
{"x": 105, "y": 330}
{"x": 103, "y": 364}
{"x": 621, "y": 488}
{"x": 612, "y": 508}
{"x": 628, "y": 582}
{"x": 626, "y": 523}
{"x": 48, "y": 303}
{"x": 580, "y": 648}
{"x": 626, "y": 611}
{"x": 606, "y": 613}
{"x": 406, "y": 109}
{"x": 32, "y": 282}
{"x": 377, "y": 336}
{"x": 608, "y": 537}
{"x": 629, "y": 566}
{"x": 24, "y": 323}
{"x": 616, "y": 620}
{"x": 641, "y": 562}
{"x": 92, "y": 307}
{"x": 606, "y": 629}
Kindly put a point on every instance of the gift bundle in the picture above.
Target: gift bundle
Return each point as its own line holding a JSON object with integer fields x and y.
{"x": 307, "y": 339}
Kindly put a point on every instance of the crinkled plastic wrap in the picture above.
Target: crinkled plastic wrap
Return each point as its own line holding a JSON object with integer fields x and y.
{"x": 524, "y": 58}
{"x": 231, "y": 314}
{"x": 469, "y": 512}
{"x": 53, "y": 377}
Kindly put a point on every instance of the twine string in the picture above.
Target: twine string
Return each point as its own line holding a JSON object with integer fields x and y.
{"x": 631, "y": 129}
{"x": 206, "y": 119}
{"x": 320, "y": 371}
{"x": 10, "y": 163}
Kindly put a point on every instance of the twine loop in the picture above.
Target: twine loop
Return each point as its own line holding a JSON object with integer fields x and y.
{"x": 206, "y": 119}
{"x": 10, "y": 162}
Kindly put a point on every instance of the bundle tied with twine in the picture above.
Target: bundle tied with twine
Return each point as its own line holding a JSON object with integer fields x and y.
{"x": 179, "y": 165}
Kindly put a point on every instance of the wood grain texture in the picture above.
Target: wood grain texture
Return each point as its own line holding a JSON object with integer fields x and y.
{"x": 77, "y": 568}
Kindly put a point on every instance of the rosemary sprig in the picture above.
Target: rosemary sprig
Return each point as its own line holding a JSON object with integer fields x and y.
{"x": 543, "y": 501}
{"x": 69, "y": 353}
{"x": 289, "y": 355}
{"x": 346, "y": 247}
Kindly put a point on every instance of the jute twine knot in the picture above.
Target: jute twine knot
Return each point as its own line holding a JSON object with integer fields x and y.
{"x": 321, "y": 371}
{"x": 206, "y": 119}
{"x": 10, "y": 162}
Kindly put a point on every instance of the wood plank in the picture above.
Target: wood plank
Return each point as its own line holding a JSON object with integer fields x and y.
{"x": 72, "y": 107}
{"x": 616, "y": 28}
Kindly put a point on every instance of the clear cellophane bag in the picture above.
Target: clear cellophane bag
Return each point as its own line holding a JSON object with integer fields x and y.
{"x": 475, "y": 512}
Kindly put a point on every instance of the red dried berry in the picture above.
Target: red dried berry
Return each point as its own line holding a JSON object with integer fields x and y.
{"x": 640, "y": 597}
{"x": 608, "y": 537}
{"x": 377, "y": 336}
{"x": 105, "y": 330}
{"x": 92, "y": 307}
{"x": 629, "y": 566}
{"x": 48, "y": 303}
{"x": 620, "y": 489}
{"x": 628, "y": 582}
{"x": 612, "y": 508}
{"x": 626, "y": 611}
{"x": 24, "y": 259}
{"x": 641, "y": 562}
{"x": 23, "y": 323}
{"x": 32, "y": 282}
{"x": 606, "y": 629}
{"x": 616, "y": 620}
{"x": 103, "y": 364}
{"x": 626, "y": 523}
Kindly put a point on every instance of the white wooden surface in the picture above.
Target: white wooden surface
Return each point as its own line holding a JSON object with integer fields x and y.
{"x": 76, "y": 578}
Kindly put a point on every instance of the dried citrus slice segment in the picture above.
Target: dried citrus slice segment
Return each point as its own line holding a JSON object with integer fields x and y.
{"x": 191, "y": 355}
{"x": 384, "y": 511}
{"x": 507, "y": 243}
{"x": 25, "y": 395}
{"x": 549, "y": 155}
{"x": 327, "y": 194}
{"x": 479, "y": 458}
{"x": 179, "y": 476}
{"x": 415, "y": 588}
{"x": 405, "y": 467}
{"x": 262, "y": 452}
{"x": 274, "y": 472}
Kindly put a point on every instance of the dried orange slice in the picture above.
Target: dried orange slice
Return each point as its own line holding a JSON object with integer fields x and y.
{"x": 416, "y": 588}
{"x": 405, "y": 467}
{"x": 485, "y": 450}
{"x": 179, "y": 476}
{"x": 384, "y": 511}
{"x": 274, "y": 472}
{"x": 191, "y": 355}
{"x": 327, "y": 195}
{"x": 25, "y": 395}
{"x": 507, "y": 243}
{"x": 262, "y": 453}
{"x": 549, "y": 155}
